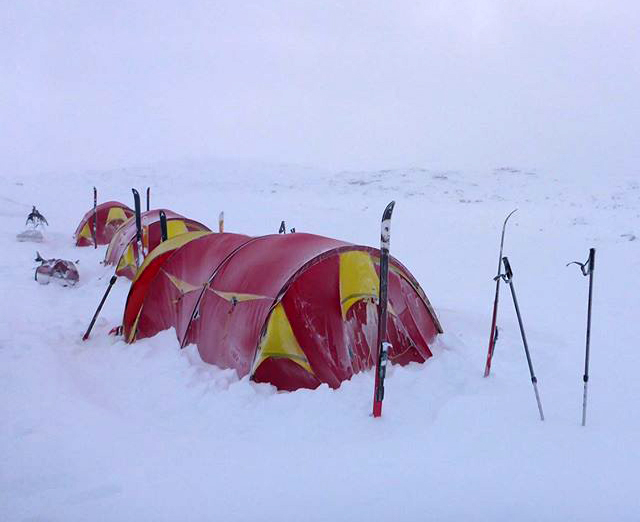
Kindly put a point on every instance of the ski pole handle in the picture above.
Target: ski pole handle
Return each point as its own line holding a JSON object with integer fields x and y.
{"x": 592, "y": 259}
{"x": 507, "y": 269}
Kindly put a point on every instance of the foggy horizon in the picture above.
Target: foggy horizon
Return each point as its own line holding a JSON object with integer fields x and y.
{"x": 341, "y": 85}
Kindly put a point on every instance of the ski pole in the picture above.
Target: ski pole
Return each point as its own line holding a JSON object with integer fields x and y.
{"x": 95, "y": 316}
{"x": 148, "y": 197}
{"x": 507, "y": 277}
{"x": 221, "y": 222}
{"x": 493, "y": 335}
{"x": 587, "y": 270}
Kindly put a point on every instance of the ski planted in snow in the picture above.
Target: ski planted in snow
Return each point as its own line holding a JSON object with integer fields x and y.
{"x": 140, "y": 255}
{"x": 493, "y": 335}
{"x": 383, "y": 346}
{"x": 163, "y": 226}
{"x": 94, "y": 229}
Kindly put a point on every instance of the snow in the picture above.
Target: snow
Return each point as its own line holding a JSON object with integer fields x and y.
{"x": 109, "y": 431}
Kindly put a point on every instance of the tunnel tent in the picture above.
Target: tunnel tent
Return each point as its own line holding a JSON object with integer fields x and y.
{"x": 110, "y": 216}
{"x": 176, "y": 280}
{"x": 123, "y": 249}
{"x": 294, "y": 310}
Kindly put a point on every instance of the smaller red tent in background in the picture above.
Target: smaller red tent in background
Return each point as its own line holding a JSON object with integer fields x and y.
{"x": 123, "y": 249}
{"x": 111, "y": 215}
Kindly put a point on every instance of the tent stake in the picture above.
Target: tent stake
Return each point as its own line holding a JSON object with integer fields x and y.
{"x": 507, "y": 277}
{"x": 493, "y": 335}
{"x": 587, "y": 269}
{"x": 95, "y": 316}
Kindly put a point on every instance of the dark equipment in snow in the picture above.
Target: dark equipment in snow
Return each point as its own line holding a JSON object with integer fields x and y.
{"x": 507, "y": 277}
{"x": 35, "y": 219}
{"x": 60, "y": 270}
{"x": 95, "y": 316}
{"x": 493, "y": 335}
{"x": 587, "y": 270}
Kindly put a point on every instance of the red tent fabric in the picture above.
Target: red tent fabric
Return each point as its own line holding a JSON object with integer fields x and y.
{"x": 111, "y": 215}
{"x": 295, "y": 310}
{"x": 123, "y": 249}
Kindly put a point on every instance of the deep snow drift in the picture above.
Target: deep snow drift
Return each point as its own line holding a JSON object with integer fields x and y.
{"x": 108, "y": 431}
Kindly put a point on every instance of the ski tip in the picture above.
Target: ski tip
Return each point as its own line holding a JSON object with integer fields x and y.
{"x": 135, "y": 192}
{"x": 510, "y": 214}
{"x": 388, "y": 210}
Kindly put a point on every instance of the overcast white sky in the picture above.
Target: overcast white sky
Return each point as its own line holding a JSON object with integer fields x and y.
{"x": 550, "y": 84}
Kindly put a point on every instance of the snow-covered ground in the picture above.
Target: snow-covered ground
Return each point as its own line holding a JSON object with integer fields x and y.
{"x": 102, "y": 430}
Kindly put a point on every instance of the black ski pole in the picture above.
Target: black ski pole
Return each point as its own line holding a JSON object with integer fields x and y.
{"x": 163, "y": 225}
{"x": 148, "y": 197}
{"x": 95, "y": 316}
{"x": 508, "y": 278}
{"x": 587, "y": 269}
{"x": 493, "y": 334}
{"x": 94, "y": 230}
{"x": 282, "y": 229}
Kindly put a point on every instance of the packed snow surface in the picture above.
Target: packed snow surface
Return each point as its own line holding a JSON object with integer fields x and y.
{"x": 103, "y": 430}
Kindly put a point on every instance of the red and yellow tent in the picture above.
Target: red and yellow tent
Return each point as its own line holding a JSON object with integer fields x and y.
{"x": 295, "y": 310}
{"x": 110, "y": 216}
{"x": 123, "y": 249}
